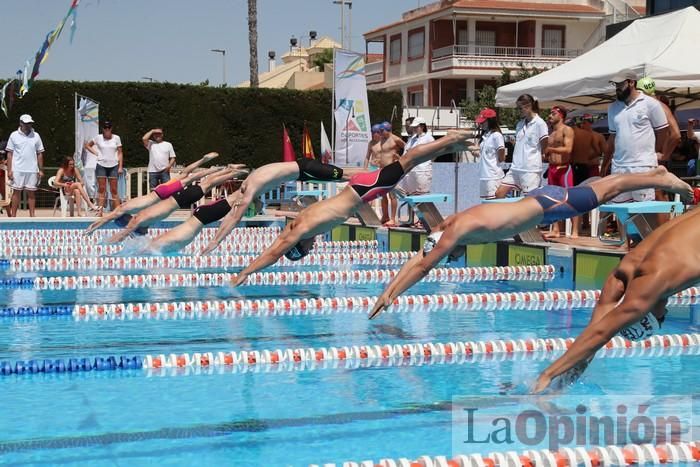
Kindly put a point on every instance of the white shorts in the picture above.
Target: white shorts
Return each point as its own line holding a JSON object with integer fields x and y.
{"x": 416, "y": 183}
{"x": 25, "y": 181}
{"x": 648, "y": 194}
{"x": 523, "y": 181}
{"x": 488, "y": 188}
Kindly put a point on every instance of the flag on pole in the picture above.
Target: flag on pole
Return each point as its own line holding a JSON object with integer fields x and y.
{"x": 326, "y": 151}
{"x": 287, "y": 148}
{"x": 306, "y": 147}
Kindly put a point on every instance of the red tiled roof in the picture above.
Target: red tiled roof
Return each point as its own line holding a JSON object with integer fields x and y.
{"x": 496, "y": 5}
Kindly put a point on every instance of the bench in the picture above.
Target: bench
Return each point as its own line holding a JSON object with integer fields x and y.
{"x": 634, "y": 218}
{"x": 424, "y": 207}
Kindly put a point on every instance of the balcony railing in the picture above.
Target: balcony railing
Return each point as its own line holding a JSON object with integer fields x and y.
{"x": 374, "y": 72}
{"x": 500, "y": 51}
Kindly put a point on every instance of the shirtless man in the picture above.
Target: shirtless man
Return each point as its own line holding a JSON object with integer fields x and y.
{"x": 589, "y": 147}
{"x": 297, "y": 238}
{"x": 391, "y": 146}
{"x": 486, "y": 223}
{"x": 260, "y": 181}
{"x": 558, "y": 153}
{"x": 633, "y": 300}
{"x": 374, "y": 149}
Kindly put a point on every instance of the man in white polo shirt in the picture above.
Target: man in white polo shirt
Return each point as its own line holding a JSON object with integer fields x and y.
{"x": 638, "y": 126}
{"x": 161, "y": 157}
{"x": 419, "y": 180}
{"x": 25, "y": 163}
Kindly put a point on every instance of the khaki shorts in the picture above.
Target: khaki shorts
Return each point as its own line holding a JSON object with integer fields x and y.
{"x": 523, "y": 181}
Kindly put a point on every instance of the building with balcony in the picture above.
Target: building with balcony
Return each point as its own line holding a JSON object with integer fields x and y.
{"x": 445, "y": 52}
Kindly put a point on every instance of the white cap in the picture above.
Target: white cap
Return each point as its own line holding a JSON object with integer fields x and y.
{"x": 26, "y": 118}
{"x": 417, "y": 121}
{"x": 642, "y": 329}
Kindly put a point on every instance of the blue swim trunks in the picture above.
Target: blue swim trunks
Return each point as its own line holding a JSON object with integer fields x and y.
{"x": 561, "y": 203}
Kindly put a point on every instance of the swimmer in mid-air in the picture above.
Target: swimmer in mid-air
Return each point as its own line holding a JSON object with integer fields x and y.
{"x": 183, "y": 199}
{"x": 633, "y": 300}
{"x": 159, "y": 193}
{"x": 486, "y": 223}
{"x": 297, "y": 238}
{"x": 259, "y": 181}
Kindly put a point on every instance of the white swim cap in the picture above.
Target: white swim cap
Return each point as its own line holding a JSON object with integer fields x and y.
{"x": 430, "y": 243}
{"x": 642, "y": 329}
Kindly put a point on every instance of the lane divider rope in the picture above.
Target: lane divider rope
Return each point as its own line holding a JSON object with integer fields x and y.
{"x": 226, "y": 309}
{"x": 197, "y": 262}
{"x": 223, "y": 279}
{"x": 356, "y": 352}
{"x": 631, "y": 454}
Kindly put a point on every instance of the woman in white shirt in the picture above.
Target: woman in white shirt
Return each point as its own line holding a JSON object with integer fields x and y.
{"x": 492, "y": 151}
{"x": 531, "y": 136}
{"x": 110, "y": 160}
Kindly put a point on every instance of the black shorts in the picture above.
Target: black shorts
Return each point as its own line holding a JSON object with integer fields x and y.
{"x": 212, "y": 212}
{"x": 313, "y": 170}
{"x": 189, "y": 195}
{"x": 580, "y": 173}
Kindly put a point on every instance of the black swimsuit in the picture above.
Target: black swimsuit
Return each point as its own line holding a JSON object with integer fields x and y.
{"x": 313, "y": 170}
{"x": 212, "y": 212}
{"x": 189, "y": 195}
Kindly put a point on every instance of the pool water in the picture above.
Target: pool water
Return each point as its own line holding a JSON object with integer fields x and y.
{"x": 291, "y": 414}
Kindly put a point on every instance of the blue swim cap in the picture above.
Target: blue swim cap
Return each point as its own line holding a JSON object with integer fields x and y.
{"x": 377, "y": 128}
{"x": 386, "y": 126}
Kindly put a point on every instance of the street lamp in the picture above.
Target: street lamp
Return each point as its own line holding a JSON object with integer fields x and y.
{"x": 223, "y": 61}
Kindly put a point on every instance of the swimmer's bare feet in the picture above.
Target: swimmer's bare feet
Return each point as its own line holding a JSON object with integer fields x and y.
{"x": 460, "y": 140}
{"x": 676, "y": 185}
{"x": 209, "y": 156}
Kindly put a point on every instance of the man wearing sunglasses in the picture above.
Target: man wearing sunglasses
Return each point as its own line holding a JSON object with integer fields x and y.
{"x": 638, "y": 126}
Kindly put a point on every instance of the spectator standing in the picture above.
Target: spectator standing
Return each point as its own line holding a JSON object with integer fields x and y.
{"x": 558, "y": 152}
{"x": 374, "y": 148}
{"x": 107, "y": 146}
{"x": 25, "y": 163}
{"x": 492, "y": 151}
{"x": 693, "y": 140}
{"x": 419, "y": 180}
{"x": 589, "y": 147}
{"x": 161, "y": 157}
{"x": 391, "y": 147}
{"x": 638, "y": 126}
{"x": 531, "y": 137}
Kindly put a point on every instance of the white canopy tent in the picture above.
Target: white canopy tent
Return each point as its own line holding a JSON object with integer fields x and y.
{"x": 662, "y": 47}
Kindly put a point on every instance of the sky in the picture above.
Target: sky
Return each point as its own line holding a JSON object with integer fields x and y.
{"x": 170, "y": 40}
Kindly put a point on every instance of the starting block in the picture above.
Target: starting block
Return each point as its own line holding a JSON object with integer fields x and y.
{"x": 424, "y": 207}
{"x": 635, "y": 218}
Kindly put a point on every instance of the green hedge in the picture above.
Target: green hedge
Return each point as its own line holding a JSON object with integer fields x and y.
{"x": 244, "y": 125}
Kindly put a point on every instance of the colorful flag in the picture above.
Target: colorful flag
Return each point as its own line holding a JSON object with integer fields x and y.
{"x": 306, "y": 147}
{"x": 287, "y": 148}
{"x": 7, "y": 96}
{"x": 326, "y": 150}
{"x": 24, "y": 89}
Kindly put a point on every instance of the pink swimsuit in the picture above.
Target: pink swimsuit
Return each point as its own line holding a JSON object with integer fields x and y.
{"x": 372, "y": 185}
{"x": 167, "y": 189}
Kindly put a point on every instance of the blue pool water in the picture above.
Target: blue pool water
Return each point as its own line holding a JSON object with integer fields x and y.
{"x": 286, "y": 415}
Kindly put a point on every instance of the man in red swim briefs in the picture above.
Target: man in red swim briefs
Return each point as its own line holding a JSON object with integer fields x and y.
{"x": 558, "y": 153}
{"x": 297, "y": 239}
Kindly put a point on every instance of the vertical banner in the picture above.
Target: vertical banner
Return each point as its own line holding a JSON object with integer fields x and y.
{"x": 86, "y": 128}
{"x": 352, "y": 128}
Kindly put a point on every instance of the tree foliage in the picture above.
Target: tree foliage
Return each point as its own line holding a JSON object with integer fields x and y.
{"x": 243, "y": 124}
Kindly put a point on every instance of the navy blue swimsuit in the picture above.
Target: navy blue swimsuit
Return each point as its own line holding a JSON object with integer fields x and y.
{"x": 561, "y": 203}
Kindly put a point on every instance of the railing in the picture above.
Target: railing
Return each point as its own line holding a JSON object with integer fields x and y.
{"x": 374, "y": 72}
{"x": 501, "y": 51}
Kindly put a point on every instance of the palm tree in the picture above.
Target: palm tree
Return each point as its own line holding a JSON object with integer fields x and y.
{"x": 253, "y": 41}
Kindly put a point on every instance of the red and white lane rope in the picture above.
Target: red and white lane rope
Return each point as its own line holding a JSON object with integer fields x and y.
{"x": 79, "y": 234}
{"x": 297, "y": 364}
{"x": 226, "y": 309}
{"x": 344, "y": 277}
{"x": 632, "y": 454}
{"x": 202, "y": 262}
{"x": 253, "y": 245}
{"x": 406, "y": 351}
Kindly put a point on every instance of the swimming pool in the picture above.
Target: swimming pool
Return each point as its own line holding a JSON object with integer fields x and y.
{"x": 286, "y": 370}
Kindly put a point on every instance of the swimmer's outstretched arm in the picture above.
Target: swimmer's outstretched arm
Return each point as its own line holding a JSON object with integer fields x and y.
{"x": 414, "y": 270}
{"x": 287, "y": 239}
{"x": 228, "y": 223}
{"x": 595, "y": 336}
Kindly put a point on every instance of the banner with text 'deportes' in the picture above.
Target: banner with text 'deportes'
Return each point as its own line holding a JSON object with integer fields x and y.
{"x": 352, "y": 124}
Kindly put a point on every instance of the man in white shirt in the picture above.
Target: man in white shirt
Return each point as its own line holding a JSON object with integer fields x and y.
{"x": 420, "y": 179}
{"x": 638, "y": 126}
{"x": 25, "y": 163}
{"x": 161, "y": 157}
